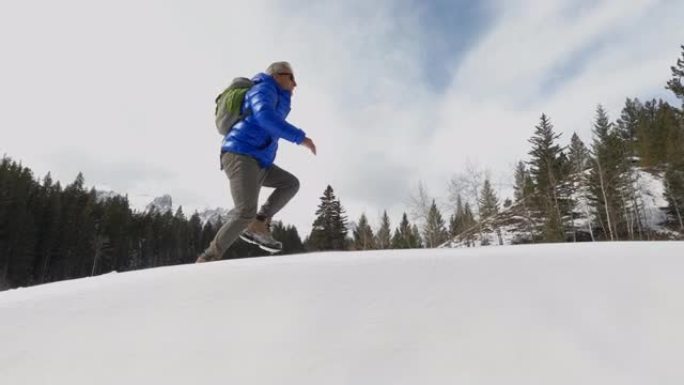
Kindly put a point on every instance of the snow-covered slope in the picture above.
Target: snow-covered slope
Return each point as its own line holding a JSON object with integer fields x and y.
{"x": 599, "y": 313}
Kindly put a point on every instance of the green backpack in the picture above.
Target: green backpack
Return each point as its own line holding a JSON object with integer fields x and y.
{"x": 229, "y": 103}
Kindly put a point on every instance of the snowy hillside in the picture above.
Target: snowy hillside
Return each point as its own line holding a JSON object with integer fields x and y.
{"x": 594, "y": 313}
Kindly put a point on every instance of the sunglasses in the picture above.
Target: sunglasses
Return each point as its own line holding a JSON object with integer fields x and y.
{"x": 291, "y": 76}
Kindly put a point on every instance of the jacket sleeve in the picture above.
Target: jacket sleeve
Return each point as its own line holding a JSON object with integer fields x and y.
{"x": 263, "y": 102}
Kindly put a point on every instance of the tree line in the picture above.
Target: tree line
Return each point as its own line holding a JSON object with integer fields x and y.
{"x": 50, "y": 233}
{"x": 330, "y": 230}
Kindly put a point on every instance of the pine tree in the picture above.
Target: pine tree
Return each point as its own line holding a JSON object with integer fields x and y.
{"x": 209, "y": 232}
{"x": 48, "y": 224}
{"x": 631, "y": 128}
{"x": 294, "y": 242}
{"x": 5, "y": 181}
{"x": 579, "y": 160}
{"x": 489, "y": 204}
{"x": 456, "y": 224}
{"x": 546, "y": 168}
{"x": 672, "y": 121}
{"x": 19, "y": 190}
{"x": 195, "y": 232}
{"x": 434, "y": 231}
{"x": 523, "y": 192}
{"x": 77, "y": 237}
{"x": 578, "y": 156}
{"x": 524, "y": 186}
{"x": 383, "y": 237}
{"x": 674, "y": 193}
{"x": 469, "y": 222}
{"x": 675, "y": 84}
{"x": 628, "y": 124}
{"x": 181, "y": 253}
{"x": 114, "y": 244}
{"x": 396, "y": 240}
{"x": 405, "y": 236}
{"x": 329, "y": 230}
{"x": 363, "y": 235}
{"x": 658, "y": 124}
{"x": 289, "y": 236}
{"x": 674, "y": 169}
{"x": 606, "y": 178}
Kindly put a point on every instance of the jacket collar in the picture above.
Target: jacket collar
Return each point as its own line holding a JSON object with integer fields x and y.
{"x": 266, "y": 78}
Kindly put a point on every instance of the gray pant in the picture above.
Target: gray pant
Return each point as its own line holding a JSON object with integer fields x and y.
{"x": 246, "y": 179}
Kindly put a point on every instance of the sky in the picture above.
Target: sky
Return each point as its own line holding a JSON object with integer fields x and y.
{"x": 479, "y": 316}
{"x": 393, "y": 93}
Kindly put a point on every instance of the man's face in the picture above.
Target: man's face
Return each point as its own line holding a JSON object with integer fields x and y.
{"x": 286, "y": 80}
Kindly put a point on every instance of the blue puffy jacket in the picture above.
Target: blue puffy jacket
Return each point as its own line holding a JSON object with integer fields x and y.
{"x": 257, "y": 135}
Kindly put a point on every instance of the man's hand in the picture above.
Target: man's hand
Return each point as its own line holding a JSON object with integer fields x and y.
{"x": 308, "y": 143}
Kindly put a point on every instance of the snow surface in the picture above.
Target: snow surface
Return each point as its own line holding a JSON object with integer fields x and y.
{"x": 652, "y": 191}
{"x": 601, "y": 313}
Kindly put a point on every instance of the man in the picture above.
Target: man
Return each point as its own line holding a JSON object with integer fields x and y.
{"x": 247, "y": 155}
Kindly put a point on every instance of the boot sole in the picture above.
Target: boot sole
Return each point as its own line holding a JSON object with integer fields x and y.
{"x": 271, "y": 250}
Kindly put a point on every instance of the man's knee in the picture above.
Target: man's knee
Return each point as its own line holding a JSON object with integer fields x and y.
{"x": 294, "y": 185}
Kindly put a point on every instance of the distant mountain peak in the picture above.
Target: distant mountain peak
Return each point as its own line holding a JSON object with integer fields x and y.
{"x": 101, "y": 195}
{"x": 213, "y": 215}
{"x": 161, "y": 204}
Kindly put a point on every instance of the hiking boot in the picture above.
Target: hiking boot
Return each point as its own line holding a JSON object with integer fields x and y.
{"x": 259, "y": 233}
